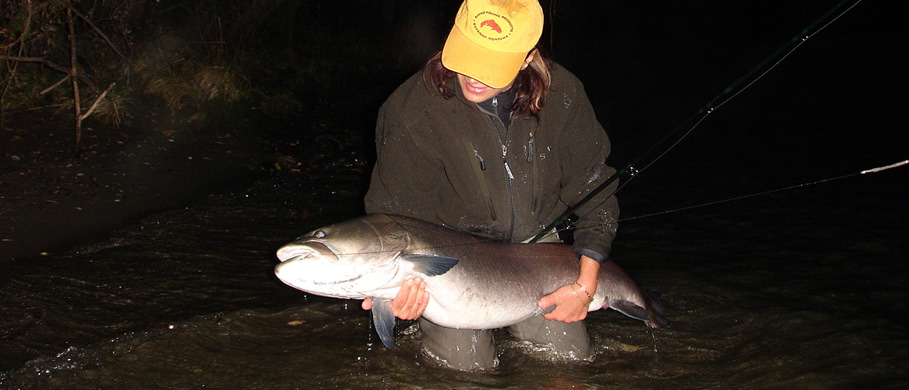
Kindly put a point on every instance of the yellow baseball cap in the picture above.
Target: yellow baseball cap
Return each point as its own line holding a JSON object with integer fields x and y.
{"x": 491, "y": 38}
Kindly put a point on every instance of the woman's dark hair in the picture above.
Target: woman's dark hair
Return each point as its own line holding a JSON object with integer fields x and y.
{"x": 531, "y": 84}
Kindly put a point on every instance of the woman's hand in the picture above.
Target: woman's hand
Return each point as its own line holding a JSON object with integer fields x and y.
{"x": 410, "y": 303}
{"x": 572, "y": 301}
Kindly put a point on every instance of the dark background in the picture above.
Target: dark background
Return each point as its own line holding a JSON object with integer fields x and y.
{"x": 309, "y": 78}
{"x": 119, "y": 266}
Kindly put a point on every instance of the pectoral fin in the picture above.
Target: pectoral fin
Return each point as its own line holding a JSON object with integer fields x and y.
{"x": 383, "y": 318}
{"x": 431, "y": 265}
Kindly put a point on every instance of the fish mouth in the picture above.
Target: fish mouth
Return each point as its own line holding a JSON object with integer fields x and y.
{"x": 298, "y": 272}
{"x": 298, "y": 259}
{"x": 334, "y": 282}
{"x": 304, "y": 250}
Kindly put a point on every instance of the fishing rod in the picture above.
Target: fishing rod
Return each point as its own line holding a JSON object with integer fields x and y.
{"x": 756, "y": 73}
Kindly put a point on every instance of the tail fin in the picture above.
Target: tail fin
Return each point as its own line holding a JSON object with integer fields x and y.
{"x": 657, "y": 313}
{"x": 652, "y": 315}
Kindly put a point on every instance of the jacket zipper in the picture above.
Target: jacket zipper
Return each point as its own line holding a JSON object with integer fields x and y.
{"x": 533, "y": 172}
{"x": 508, "y": 173}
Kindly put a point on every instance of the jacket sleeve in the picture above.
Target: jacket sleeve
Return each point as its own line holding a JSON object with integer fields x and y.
{"x": 585, "y": 149}
{"x": 403, "y": 173}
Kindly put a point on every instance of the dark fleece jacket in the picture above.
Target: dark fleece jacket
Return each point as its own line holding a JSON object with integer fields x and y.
{"x": 448, "y": 162}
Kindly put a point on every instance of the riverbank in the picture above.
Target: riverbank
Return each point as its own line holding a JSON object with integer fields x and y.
{"x": 51, "y": 199}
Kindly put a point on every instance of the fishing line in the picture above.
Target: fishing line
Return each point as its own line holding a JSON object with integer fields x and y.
{"x": 758, "y": 72}
{"x": 792, "y": 187}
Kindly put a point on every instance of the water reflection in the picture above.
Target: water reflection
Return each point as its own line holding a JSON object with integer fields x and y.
{"x": 187, "y": 299}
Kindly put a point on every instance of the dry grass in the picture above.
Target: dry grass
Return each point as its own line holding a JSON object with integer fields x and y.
{"x": 185, "y": 79}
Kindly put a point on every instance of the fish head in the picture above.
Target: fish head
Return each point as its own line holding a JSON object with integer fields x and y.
{"x": 351, "y": 259}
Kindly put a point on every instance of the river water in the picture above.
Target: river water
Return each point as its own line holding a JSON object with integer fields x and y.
{"x": 799, "y": 289}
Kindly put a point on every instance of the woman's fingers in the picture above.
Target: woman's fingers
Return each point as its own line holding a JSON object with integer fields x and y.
{"x": 570, "y": 307}
{"x": 411, "y": 300}
{"x": 410, "y": 303}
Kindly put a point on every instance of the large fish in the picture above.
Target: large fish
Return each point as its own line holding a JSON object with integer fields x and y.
{"x": 473, "y": 283}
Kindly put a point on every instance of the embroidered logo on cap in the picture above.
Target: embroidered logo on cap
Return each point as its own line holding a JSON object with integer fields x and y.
{"x": 492, "y": 26}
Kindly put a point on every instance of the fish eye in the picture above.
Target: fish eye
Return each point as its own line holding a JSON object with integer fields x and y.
{"x": 319, "y": 234}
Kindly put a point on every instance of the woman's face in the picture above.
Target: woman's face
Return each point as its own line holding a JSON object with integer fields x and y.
{"x": 476, "y": 91}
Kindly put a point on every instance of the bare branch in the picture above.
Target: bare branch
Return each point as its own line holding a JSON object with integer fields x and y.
{"x": 52, "y": 65}
{"x": 98, "y": 100}
{"x": 22, "y": 59}
{"x": 98, "y": 30}
{"x": 74, "y": 73}
{"x": 57, "y": 84}
{"x": 42, "y": 60}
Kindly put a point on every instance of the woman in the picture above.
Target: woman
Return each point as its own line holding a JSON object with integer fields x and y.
{"x": 495, "y": 140}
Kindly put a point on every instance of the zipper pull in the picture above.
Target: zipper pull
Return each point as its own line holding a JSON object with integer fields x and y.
{"x": 480, "y": 159}
{"x": 505, "y": 161}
